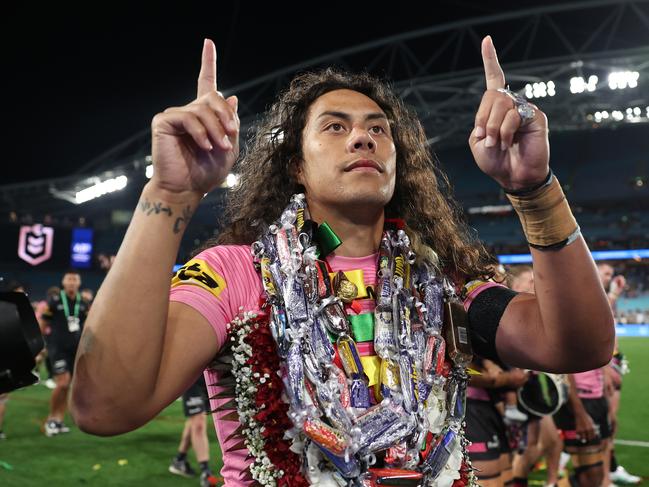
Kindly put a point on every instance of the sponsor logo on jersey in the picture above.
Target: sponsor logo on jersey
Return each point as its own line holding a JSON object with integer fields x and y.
{"x": 197, "y": 272}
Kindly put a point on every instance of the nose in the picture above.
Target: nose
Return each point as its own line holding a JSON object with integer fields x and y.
{"x": 361, "y": 140}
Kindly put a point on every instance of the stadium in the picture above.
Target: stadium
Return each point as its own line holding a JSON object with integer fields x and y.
{"x": 67, "y": 197}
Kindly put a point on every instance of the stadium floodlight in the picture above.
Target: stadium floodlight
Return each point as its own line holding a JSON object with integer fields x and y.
{"x": 619, "y": 80}
{"x": 628, "y": 115}
{"x": 603, "y": 115}
{"x": 634, "y": 114}
{"x": 148, "y": 171}
{"x": 579, "y": 84}
{"x": 101, "y": 188}
{"x": 540, "y": 89}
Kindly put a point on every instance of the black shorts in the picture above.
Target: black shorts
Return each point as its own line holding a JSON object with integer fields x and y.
{"x": 597, "y": 409}
{"x": 195, "y": 399}
{"x": 485, "y": 430}
{"x": 61, "y": 356}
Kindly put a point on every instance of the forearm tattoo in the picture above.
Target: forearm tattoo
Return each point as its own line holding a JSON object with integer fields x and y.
{"x": 183, "y": 220}
{"x": 150, "y": 208}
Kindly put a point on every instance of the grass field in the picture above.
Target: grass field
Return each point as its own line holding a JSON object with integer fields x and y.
{"x": 28, "y": 458}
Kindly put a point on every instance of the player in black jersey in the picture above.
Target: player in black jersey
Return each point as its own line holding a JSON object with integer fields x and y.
{"x": 65, "y": 314}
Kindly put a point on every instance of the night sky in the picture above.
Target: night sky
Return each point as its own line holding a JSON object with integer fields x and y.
{"x": 78, "y": 81}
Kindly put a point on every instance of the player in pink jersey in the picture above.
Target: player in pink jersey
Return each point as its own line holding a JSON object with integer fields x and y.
{"x": 542, "y": 436}
{"x": 359, "y": 155}
{"x": 585, "y": 426}
{"x": 614, "y": 286}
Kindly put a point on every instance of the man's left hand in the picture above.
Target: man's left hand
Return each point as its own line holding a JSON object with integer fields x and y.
{"x": 515, "y": 155}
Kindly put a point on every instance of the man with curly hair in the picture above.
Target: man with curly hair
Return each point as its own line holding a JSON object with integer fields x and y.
{"x": 337, "y": 183}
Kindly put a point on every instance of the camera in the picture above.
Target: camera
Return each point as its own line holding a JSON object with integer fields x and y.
{"x": 20, "y": 341}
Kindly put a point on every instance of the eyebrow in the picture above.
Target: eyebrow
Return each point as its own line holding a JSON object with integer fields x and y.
{"x": 347, "y": 116}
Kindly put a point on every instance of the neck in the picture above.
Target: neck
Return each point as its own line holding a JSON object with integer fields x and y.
{"x": 359, "y": 229}
{"x": 71, "y": 294}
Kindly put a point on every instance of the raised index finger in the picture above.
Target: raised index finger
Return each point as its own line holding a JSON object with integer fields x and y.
{"x": 492, "y": 70}
{"x": 207, "y": 76}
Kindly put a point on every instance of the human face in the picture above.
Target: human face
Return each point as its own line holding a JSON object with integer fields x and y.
{"x": 524, "y": 283}
{"x": 349, "y": 157}
{"x": 71, "y": 283}
{"x": 605, "y": 274}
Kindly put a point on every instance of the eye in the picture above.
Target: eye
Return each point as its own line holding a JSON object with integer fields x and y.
{"x": 377, "y": 129}
{"x": 336, "y": 127}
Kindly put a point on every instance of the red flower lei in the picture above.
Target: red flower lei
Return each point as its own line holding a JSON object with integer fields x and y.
{"x": 271, "y": 410}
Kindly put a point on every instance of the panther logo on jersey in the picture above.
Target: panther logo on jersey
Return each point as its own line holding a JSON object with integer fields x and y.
{"x": 197, "y": 272}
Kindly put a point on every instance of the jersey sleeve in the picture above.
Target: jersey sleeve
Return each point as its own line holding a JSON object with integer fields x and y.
{"x": 485, "y": 303}
{"x": 218, "y": 283}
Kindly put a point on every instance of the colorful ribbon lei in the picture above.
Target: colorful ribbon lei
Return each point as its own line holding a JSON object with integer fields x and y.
{"x": 307, "y": 421}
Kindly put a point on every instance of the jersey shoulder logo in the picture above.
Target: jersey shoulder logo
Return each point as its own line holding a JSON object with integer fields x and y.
{"x": 197, "y": 272}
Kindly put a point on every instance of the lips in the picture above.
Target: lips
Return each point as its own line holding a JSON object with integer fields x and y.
{"x": 364, "y": 163}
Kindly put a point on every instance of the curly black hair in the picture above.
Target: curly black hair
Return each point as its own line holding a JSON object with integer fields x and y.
{"x": 422, "y": 195}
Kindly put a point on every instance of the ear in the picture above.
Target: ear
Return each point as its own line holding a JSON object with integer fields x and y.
{"x": 296, "y": 169}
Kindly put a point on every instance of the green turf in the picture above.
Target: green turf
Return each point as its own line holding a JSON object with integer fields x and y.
{"x": 633, "y": 418}
{"x": 80, "y": 459}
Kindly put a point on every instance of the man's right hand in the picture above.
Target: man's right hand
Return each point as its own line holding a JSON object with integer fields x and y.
{"x": 584, "y": 426}
{"x": 195, "y": 146}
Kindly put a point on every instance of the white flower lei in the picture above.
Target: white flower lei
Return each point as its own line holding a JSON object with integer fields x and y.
{"x": 262, "y": 469}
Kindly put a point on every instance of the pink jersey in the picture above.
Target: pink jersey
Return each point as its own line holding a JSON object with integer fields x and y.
{"x": 219, "y": 283}
{"x": 590, "y": 384}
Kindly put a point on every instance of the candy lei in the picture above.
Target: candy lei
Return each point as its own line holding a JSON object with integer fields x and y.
{"x": 342, "y": 432}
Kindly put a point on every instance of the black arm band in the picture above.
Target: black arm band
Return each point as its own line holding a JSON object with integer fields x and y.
{"x": 484, "y": 317}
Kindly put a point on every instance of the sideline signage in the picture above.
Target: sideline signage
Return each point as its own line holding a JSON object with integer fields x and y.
{"x": 640, "y": 330}
{"x": 81, "y": 248}
{"x": 35, "y": 243}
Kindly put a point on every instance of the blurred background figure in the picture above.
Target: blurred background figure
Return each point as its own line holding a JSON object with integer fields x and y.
{"x": 615, "y": 285}
{"x": 542, "y": 438}
{"x": 194, "y": 435}
{"x": 64, "y": 319}
{"x": 87, "y": 295}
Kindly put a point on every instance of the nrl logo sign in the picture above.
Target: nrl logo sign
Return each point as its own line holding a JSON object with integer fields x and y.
{"x": 35, "y": 243}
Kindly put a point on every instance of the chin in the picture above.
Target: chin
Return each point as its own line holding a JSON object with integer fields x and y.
{"x": 352, "y": 195}
{"x": 366, "y": 196}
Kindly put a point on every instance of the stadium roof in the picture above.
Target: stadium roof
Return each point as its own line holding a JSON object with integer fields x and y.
{"x": 433, "y": 60}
